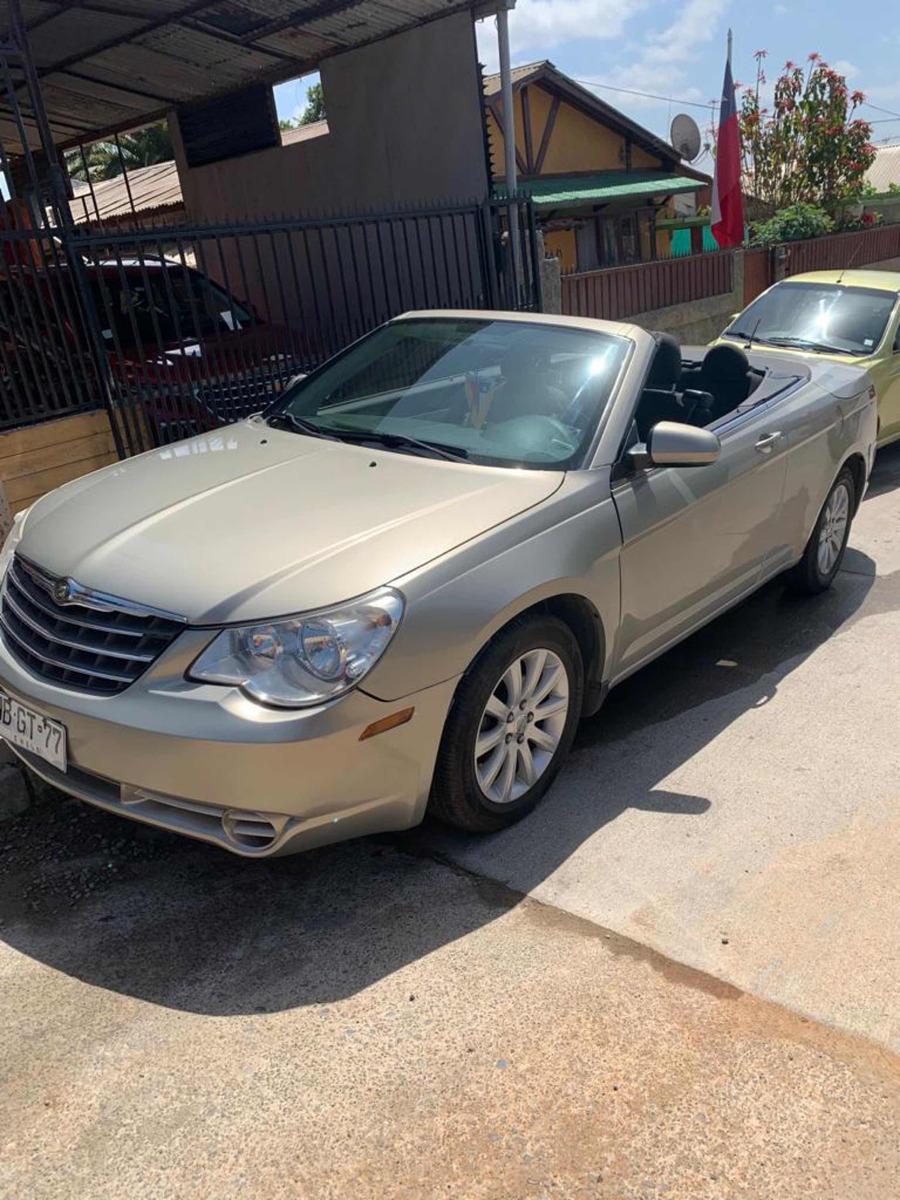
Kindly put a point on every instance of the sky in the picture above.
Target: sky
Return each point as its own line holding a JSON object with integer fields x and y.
{"x": 677, "y": 50}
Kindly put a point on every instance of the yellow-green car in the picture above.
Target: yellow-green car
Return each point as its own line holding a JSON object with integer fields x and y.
{"x": 850, "y": 316}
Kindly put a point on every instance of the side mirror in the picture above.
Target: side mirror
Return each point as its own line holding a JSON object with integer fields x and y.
{"x": 673, "y": 445}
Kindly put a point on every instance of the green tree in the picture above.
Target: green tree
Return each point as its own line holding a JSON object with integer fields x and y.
{"x": 315, "y": 105}
{"x": 810, "y": 148}
{"x": 152, "y": 144}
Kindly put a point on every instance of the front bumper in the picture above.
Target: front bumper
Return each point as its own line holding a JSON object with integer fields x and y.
{"x": 205, "y": 761}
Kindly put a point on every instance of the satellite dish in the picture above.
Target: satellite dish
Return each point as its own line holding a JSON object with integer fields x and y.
{"x": 685, "y": 137}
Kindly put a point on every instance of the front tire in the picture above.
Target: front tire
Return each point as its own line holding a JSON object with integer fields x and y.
{"x": 511, "y": 726}
{"x": 824, "y": 551}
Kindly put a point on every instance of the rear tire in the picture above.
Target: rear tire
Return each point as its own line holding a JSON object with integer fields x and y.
{"x": 824, "y": 551}
{"x": 511, "y": 726}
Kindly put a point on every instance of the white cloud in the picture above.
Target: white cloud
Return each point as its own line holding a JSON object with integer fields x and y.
{"x": 849, "y": 69}
{"x": 537, "y": 26}
{"x": 662, "y": 66}
{"x": 696, "y": 24}
{"x": 780, "y": 10}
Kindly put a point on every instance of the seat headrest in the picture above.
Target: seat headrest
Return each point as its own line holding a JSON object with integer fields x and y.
{"x": 665, "y": 369}
{"x": 725, "y": 363}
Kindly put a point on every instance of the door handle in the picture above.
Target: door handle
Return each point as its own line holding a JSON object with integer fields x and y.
{"x": 767, "y": 441}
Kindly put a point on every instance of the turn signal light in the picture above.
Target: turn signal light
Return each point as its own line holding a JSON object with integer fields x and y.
{"x": 386, "y": 723}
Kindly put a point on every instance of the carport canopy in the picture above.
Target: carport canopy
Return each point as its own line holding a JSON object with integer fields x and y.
{"x": 109, "y": 65}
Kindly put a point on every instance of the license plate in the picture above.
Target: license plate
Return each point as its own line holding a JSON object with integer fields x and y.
{"x": 33, "y": 731}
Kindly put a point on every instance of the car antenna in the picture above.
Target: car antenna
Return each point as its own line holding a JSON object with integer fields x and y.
{"x": 748, "y": 345}
{"x": 851, "y": 264}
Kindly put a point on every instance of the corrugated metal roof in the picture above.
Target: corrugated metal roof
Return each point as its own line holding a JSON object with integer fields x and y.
{"x": 605, "y": 186}
{"x": 518, "y": 74}
{"x": 156, "y": 186}
{"x": 151, "y": 187}
{"x": 302, "y": 133}
{"x": 885, "y": 170}
{"x": 104, "y": 68}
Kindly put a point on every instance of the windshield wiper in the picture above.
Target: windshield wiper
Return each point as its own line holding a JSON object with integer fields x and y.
{"x": 749, "y": 338}
{"x": 806, "y": 344}
{"x": 299, "y": 425}
{"x": 400, "y": 440}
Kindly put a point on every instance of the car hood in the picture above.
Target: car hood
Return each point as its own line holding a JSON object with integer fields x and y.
{"x": 249, "y": 522}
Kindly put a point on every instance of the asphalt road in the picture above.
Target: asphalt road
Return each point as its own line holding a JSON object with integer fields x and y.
{"x": 676, "y": 979}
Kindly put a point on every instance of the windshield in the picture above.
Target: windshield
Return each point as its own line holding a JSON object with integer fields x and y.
{"x": 818, "y": 316}
{"x": 485, "y": 390}
{"x": 158, "y": 310}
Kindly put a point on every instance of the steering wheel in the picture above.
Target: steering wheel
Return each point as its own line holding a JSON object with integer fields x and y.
{"x": 532, "y": 434}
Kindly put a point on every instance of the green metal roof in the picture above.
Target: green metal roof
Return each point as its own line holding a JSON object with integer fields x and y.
{"x": 607, "y": 185}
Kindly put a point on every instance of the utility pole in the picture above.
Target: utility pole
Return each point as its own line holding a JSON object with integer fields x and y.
{"x": 509, "y": 137}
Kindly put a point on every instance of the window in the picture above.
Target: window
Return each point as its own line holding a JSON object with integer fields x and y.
{"x": 820, "y": 317}
{"x": 495, "y": 391}
{"x": 180, "y": 306}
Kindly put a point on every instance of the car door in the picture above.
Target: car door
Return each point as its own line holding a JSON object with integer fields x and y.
{"x": 820, "y": 423}
{"x": 886, "y": 373}
{"x": 696, "y": 539}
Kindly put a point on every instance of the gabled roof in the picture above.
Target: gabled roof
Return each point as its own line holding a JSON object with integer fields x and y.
{"x": 554, "y": 80}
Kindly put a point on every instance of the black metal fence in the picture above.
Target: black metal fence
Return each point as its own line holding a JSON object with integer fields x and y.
{"x": 178, "y": 328}
{"x": 181, "y": 328}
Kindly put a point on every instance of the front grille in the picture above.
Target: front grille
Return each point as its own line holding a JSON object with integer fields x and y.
{"x": 92, "y": 647}
{"x": 233, "y": 397}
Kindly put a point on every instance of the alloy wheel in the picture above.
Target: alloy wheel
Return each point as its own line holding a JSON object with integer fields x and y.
{"x": 834, "y": 528}
{"x": 521, "y": 726}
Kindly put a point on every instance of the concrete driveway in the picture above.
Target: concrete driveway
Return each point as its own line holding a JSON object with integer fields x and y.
{"x": 677, "y": 979}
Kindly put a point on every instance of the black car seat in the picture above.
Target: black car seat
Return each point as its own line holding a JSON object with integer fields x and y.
{"x": 726, "y": 375}
{"x": 659, "y": 400}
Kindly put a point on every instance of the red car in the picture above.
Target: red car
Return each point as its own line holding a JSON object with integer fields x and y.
{"x": 183, "y": 352}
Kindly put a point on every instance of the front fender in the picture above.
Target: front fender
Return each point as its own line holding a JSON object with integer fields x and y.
{"x": 568, "y": 546}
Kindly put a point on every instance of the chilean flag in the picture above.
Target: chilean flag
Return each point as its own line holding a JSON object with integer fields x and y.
{"x": 727, "y": 201}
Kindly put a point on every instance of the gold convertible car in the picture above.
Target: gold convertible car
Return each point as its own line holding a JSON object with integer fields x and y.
{"x": 402, "y": 586}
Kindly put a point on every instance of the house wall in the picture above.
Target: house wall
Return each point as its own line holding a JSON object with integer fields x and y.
{"x": 577, "y": 143}
{"x": 405, "y": 125}
{"x": 562, "y": 244}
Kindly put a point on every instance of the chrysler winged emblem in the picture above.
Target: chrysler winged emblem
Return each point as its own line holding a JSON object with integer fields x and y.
{"x": 62, "y": 591}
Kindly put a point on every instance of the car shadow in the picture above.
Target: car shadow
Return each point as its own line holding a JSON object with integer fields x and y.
{"x": 178, "y": 923}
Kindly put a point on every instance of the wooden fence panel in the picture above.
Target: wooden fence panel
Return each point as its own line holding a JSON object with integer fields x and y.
{"x": 615, "y": 293}
{"x": 757, "y": 272}
{"x": 39, "y": 458}
{"x": 846, "y": 250}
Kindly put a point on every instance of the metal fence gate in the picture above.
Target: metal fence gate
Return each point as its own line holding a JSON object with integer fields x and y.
{"x": 178, "y": 329}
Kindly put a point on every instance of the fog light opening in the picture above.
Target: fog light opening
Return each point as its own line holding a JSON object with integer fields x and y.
{"x": 249, "y": 830}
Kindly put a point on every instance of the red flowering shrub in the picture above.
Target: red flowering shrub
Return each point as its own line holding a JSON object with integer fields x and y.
{"x": 811, "y": 148}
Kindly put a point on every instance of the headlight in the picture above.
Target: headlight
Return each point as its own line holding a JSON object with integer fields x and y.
{"x": 305, "y": 660}
{"x": 12, "y": 540}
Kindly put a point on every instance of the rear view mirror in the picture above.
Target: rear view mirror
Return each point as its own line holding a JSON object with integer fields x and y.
{"x": 673, "y": 445}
